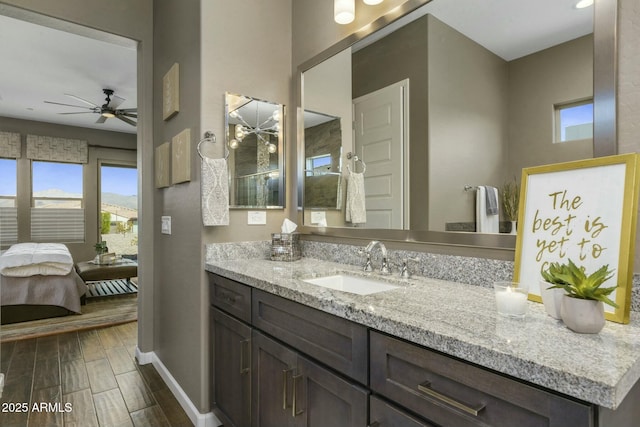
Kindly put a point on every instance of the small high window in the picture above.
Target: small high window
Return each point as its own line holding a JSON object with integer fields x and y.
{"x": 574, "y": 121}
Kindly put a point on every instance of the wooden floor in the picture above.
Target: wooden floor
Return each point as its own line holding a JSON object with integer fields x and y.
{"x": 84, "y": 379}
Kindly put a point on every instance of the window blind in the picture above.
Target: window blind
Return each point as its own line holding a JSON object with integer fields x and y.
{"x": 10, "y": 145}
{"x": 8, "y": 226}
{"x": 57, "y": 225}
{"x": 54, "y": 149}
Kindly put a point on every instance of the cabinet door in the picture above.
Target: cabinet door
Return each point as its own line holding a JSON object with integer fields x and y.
{"x": 232, "y": 369}
{"x": 383, "y": 414}
{"x": 274, "y": 366}
{"x": 322, "y": 398}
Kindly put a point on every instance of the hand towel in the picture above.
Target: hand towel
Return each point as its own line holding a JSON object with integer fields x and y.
{"x": 485, "y": 223}
{"x": 214, "y": 189}
{"x": 355, "y": 210}
{"x": 492, "y": 200}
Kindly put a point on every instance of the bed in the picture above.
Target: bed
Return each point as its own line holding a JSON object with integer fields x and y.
{"x": 38, "y": 281}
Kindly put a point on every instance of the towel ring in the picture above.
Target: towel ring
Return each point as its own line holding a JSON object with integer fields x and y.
{"x": 209, "y": 137}
{"x": 356, "y": 159}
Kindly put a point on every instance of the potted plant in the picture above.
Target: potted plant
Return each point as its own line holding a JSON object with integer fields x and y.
{"x": 510, "y": 202}
{"x": 582, "y": 307}
{"x": 101, "y": 248}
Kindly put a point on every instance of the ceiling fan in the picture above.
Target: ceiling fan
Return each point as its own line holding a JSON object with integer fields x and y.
{"x": 107, "y": 110}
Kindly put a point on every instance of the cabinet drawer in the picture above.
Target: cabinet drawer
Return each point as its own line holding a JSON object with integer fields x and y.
{"x": 450, "y": 392}
{"x": 230, "y": 296}
{"x": 383, "y": 414}
{"x": 329, "y": 339}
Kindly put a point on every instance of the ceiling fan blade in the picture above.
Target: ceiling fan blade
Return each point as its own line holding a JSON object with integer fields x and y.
{"x": 82, "y": 100}
{"x": 68, "y": 105}
{"x": 128, "y": 110}
{"x": 126, "y": 120}
{"x": 79, "y": 112}
{"x": 120, "y": 113}
{"x": 116, "y": 101}
{"x": 101, "y": 119}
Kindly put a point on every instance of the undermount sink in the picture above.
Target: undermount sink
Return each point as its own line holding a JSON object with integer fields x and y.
{"x": 352, "y": 284}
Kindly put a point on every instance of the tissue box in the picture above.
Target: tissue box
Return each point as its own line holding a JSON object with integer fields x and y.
{"x": 285, "y": 247}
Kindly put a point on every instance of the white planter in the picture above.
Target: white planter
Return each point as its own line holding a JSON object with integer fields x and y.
{"x": 582, "y": 315}
{"x": 551, "y": 298}
{"x": 513, "y": 227}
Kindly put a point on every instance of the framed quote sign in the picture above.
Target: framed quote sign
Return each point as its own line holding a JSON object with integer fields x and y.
{"x": 585, "y": 211}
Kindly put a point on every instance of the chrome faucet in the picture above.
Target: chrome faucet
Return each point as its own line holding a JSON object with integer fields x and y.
{"x": 384, "y": 268}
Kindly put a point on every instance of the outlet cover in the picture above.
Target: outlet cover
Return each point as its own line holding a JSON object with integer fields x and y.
{"x": 256, "y": 217}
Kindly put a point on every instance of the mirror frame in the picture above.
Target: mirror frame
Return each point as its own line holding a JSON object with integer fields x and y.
{"x": 604, "y": 125}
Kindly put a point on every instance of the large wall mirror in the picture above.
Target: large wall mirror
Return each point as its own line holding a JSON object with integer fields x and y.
{"x": 255, "y": 141}
{"x": 449, "y": 97}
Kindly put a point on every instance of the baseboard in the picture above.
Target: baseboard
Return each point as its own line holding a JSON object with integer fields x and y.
{"x": 198, "y": 419}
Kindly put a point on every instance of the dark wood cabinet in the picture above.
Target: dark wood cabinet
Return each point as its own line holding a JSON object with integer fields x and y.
{"x": 334, "y": 341}
{"x": 274, "y": 366}
{"x": 326, "y": 399}
{"x": 451, "y": 392}
{"x": 291, "y": 390}
{"x": 384, "y": 414}
{"x": 232, "y": 369}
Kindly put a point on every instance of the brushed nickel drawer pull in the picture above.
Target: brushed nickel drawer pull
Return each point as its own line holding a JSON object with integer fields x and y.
{"x": 285, "y": 378}
{"x": 243, "y": 359}
{"x": 294, "y": 406}
{"x": 425, "y": 387}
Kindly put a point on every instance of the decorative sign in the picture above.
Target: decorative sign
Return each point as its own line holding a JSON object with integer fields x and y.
{"x": 163, "y": 158}
{"x": 181, "y": 157}
{"x": 584, "y": 211}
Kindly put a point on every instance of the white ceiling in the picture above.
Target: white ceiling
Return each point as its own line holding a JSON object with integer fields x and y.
{"x": 509, "y": 28}
{"x": 41, "y": 63}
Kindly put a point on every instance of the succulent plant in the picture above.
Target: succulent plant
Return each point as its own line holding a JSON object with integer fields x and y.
{"x": 577, "y": 284}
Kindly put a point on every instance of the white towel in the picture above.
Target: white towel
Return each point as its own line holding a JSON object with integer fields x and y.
{"x": 486, "y": 223}
{"x": 215, "y": 192}
{"x": 355, "y": 211}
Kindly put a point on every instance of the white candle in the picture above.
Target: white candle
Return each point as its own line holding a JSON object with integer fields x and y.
{"x": 511, "y": 303}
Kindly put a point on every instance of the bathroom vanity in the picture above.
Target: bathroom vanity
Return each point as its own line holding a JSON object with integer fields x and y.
{"x": 428, "y": 352}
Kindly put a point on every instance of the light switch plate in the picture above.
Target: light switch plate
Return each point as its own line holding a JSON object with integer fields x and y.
{"x": 256, "y": 217}
{"x": 166, "y": 224}
{"x": 318, "y": 217}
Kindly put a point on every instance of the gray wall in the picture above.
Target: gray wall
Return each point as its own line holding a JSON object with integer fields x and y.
{"x": 467, "y": 122}
{"x": 407, "y": 49}
{"x": 556, "y": 75}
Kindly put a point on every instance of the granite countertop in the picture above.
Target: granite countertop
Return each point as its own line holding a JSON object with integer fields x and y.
{"x": 461, "y": 320}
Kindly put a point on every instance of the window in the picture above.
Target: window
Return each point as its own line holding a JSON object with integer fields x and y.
{"x": 318, "y": 165}
{"x": 8, "y": 208}
{"x": 574, "y": 121}
{"x": 57, "y": 211}
{"x": 119, "y": 208}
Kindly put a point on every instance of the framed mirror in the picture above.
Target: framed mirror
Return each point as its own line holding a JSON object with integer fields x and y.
{"x": 476, "y": 100}
{"x": 255, "y": 139}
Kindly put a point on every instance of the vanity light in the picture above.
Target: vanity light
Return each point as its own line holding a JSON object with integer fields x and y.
{"x": 233, "y": 144}
{"x": 584, "y": 3}
{"x": 272, "y": 148}
{"x": 344, "y": 11}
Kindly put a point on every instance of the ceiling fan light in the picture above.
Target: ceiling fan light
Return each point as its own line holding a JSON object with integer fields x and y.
{"x": 344, "y": 11}
{"x": 107, "y": 114}
{"x": 372, "y": 2}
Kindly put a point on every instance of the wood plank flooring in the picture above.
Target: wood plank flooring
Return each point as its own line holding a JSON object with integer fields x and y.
{"x": 86, "y": 379}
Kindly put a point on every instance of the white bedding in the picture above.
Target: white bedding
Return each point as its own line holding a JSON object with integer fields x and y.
{"x": 30, "y": 259}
